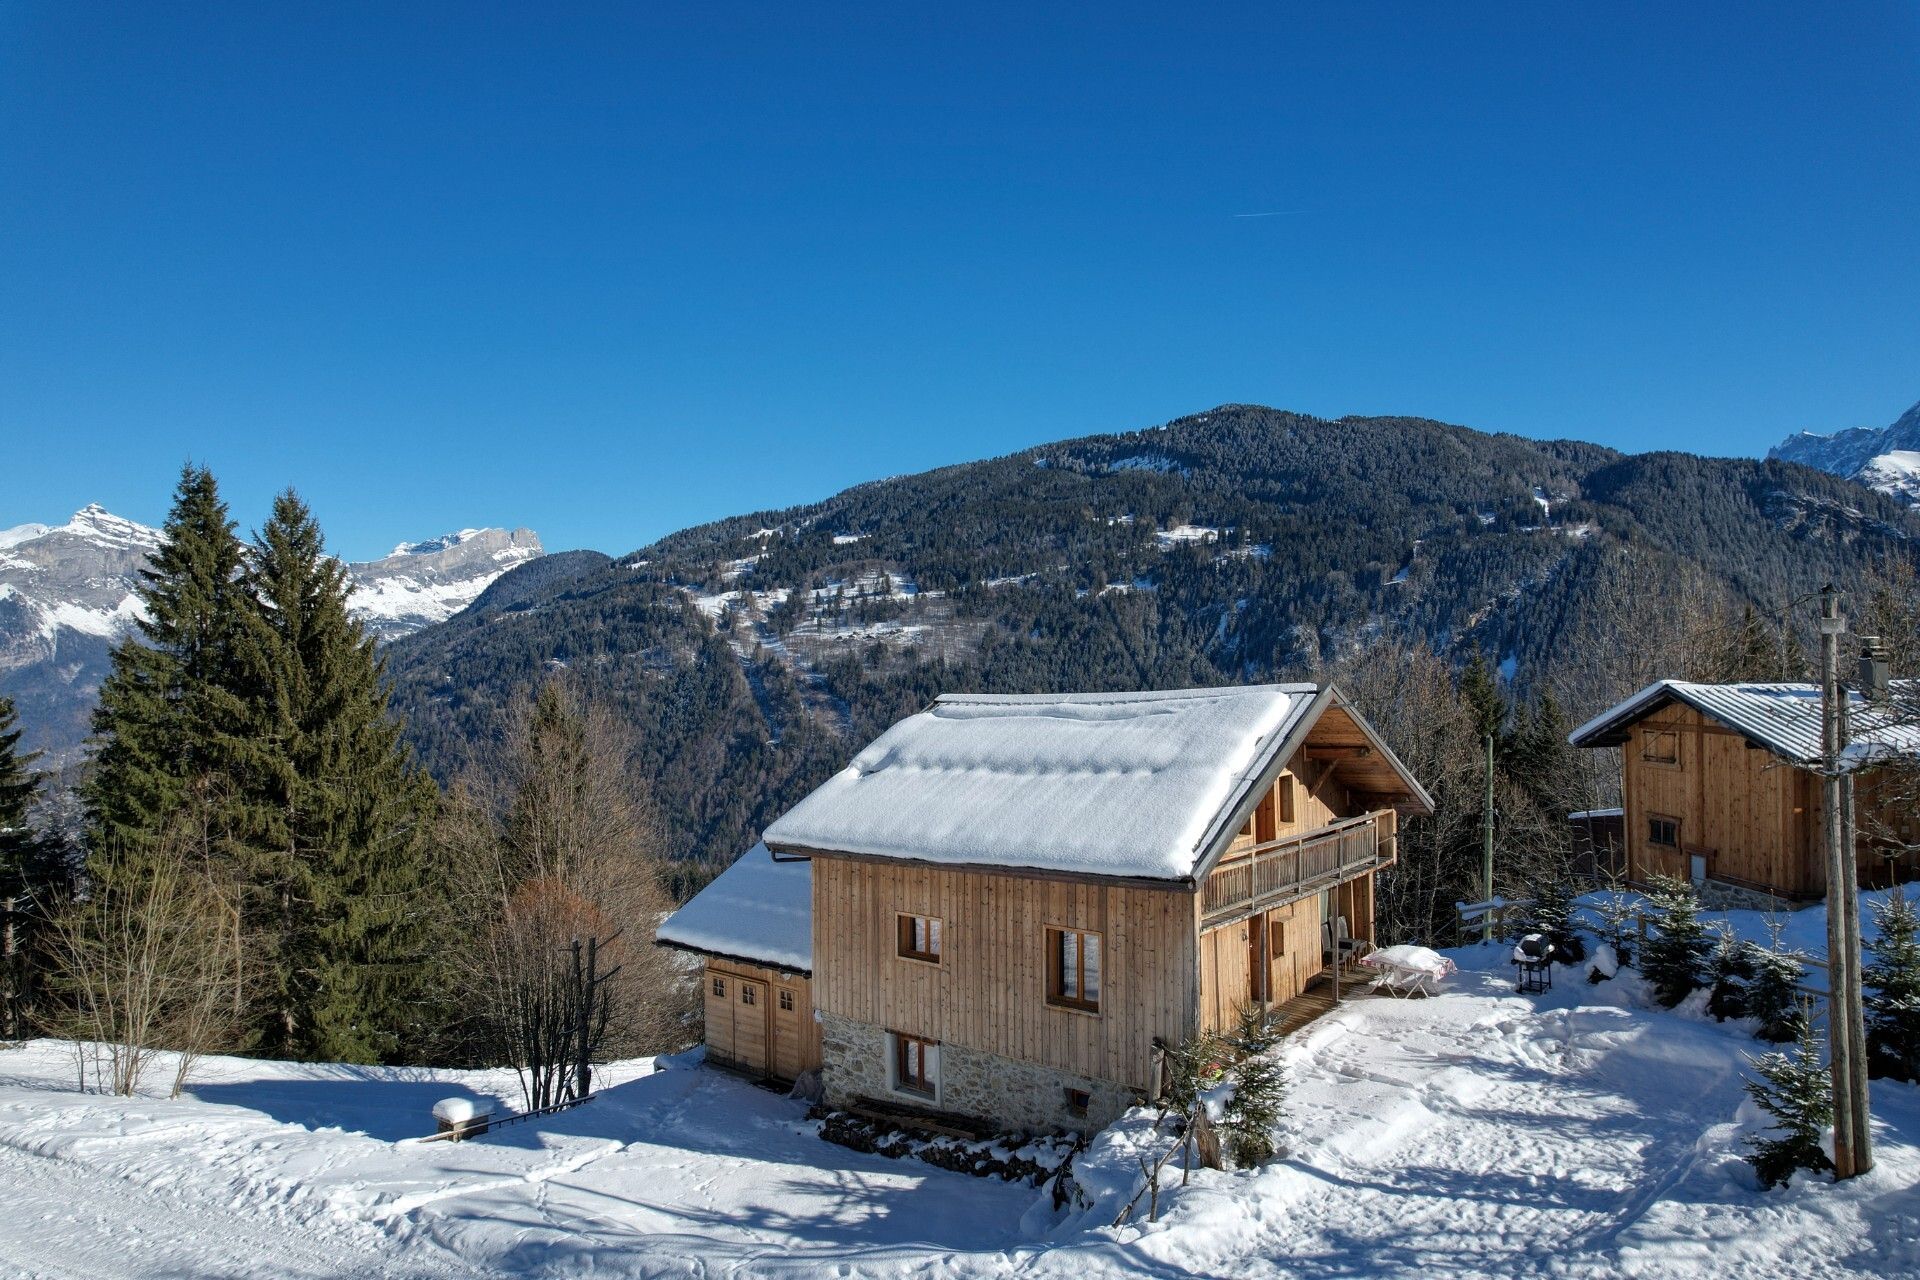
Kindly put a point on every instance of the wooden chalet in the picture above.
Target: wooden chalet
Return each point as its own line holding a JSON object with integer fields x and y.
{"x": 754, "y": 928}
{"x": 1017, "y": 901}
{"x": 1720, "y": 785}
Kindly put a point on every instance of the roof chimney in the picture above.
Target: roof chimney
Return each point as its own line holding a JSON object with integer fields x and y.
{"x": 1875, "y": 674}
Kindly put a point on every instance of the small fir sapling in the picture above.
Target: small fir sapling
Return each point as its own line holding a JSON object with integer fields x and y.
{"x": 1729, "y": 970}
{"x": 1795, "y": 1090}
{"x": 1259, "y": 1084}
{"x": 1674, "y": 958}
{"x": 1615, "y": 909}
{"x": 1892, "y": 999}
{"x": 1773, "y": 997}
{"x": 1553, "y": 915}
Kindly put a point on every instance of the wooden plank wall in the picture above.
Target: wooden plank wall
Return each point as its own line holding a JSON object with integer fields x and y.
{"x": 1226, "y": 960}
{"x": 1880, "y": 813}
{"x": 1313, "y": 806}
{"x": 1225, "y": 977}
{"x": 989, "y": 991}
{"x": 1752, "y": 811}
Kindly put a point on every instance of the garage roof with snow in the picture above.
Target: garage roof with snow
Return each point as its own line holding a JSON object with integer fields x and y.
{"x": 757, "y": 910}
{"x": 1128, "y": 785}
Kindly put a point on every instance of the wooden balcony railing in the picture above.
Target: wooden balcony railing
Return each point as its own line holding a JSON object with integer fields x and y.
{"x": 1285, "y": 870}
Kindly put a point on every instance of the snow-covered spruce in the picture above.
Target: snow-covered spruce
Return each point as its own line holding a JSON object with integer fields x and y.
{"x": 1774, "y": 1000}
{"x": 1555, "y": 915}
{"x": 1673, "y": 959}
{"x": 1892, "y": 999}
{"x": 1795, "y": 1091}
{"x": 1729, "y": 971}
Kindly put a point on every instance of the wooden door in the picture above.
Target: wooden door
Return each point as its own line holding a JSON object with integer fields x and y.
{"x": 787, "y": 1032}
{"x": 750, "y": 1025}
{"x": 1303, "y": 939}
{"x": 720, "y": 998}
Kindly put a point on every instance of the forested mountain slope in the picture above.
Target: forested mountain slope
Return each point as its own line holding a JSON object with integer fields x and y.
{"x": 752, "y": 655}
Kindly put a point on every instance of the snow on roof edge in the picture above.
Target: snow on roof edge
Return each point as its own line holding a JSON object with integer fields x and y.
{"x": 759, "y": 910}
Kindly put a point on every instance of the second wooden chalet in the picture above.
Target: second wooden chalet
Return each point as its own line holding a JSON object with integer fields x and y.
{"x": 1016, "y": 900}
{"x": 1720, "y": 786}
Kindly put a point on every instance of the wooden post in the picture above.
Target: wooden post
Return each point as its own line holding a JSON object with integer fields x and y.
{"x": 583, "y": 1075}
{"x": 1846, "y": 1031}
{"x": 1334, "y": 931}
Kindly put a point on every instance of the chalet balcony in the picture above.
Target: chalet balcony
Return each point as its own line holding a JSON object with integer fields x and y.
{"x": 1277, "y": 872}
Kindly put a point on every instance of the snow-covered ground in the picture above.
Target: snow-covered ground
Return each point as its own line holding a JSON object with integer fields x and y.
{"x": 1480, "y": 1133}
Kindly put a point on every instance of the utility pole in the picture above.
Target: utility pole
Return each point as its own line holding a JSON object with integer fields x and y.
{"x": 1486, "y": 833}
{"x": 1846, "y": 1028}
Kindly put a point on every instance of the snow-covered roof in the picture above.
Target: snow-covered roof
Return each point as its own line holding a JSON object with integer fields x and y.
{"x": 1133, "y": 785}
{"x": 1784, "y": 718}
{"x": 757, "y": 910}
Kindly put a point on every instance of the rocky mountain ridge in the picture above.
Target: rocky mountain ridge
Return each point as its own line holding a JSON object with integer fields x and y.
{"x": 1883, "y": 458}
{"x": 752, "y": 655}
{"x": 68, "y": 592}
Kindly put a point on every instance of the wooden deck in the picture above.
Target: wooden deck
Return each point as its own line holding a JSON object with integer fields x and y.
{"x": 1317, "y": 1000}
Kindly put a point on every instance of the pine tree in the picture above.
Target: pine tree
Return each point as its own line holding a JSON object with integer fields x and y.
{"x": 1774, "y": 1000}
{"x": 169, "y": 706}
{"x": 1673, "y": 959}
{"x": 1892, "y": 1000}
{"x": 1750, "y": 651}
{"x": 1796, "y": 1091}
{"x": 34, "y": 876}
{"x": 334, "y": 811}
{"x": 1616, "y": 930}
{"x": 1259, "y": 1083}
{"x": 1729, "y": 970}
{"x": 31, "y": 862}
{"x": 1537, "y": 756}
{"x": 1479, "y": 692}
{"x": 1553, "y": 915}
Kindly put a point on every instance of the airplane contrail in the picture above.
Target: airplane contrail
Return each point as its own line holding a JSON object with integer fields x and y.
{"x": 1272, "y": 213}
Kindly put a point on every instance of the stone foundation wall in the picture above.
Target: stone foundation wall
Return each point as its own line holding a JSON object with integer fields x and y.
{"x": 1004, "y": 1092}
{"x": 1716, "y": 896}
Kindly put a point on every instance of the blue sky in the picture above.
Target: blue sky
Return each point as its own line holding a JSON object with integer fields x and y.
{"x": 610, "y": 271}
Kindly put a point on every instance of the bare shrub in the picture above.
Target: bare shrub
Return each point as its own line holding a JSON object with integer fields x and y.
{"x": 554, "y": 845}
{"x": 147, "y": 967}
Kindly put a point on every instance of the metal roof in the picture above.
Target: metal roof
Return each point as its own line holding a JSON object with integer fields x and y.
{"x": 1783, "y": 718}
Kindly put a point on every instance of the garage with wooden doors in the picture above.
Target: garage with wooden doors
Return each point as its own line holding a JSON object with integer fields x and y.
{"x": 753, "y": 926}
{"x": 759, "y": 1020}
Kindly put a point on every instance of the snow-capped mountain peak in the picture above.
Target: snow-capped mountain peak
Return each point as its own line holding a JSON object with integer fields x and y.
{"x": 425, "y": 582}
{"x": 1883, "y": 458}
{"x": 92, "y": 523}
{"x": 431, "y": 545}
{"x": 69, "y": 591}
